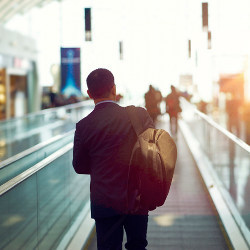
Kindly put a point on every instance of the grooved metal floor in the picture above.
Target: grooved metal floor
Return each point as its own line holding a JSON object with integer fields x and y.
{"x": 187, "y": 220}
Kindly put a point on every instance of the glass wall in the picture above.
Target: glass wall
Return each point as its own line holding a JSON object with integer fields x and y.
{"x": 37, "y": 212}
{"x": 229, "y": 157}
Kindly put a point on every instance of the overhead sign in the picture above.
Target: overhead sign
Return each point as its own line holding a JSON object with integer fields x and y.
{"x": 71, "y": 72}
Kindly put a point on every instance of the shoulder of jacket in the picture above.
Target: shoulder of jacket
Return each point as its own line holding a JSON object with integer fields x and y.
{"x": 83, "y": 121}
{"x": 141, "y": 109}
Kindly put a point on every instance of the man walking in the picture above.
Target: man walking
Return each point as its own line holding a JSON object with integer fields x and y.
{"x": 173, "y": 109}
{"x": 102, "y": 148}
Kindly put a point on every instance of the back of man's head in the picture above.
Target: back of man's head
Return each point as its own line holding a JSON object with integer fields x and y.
{"x": 100, "y": 83}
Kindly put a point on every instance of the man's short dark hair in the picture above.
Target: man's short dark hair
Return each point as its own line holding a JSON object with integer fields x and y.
{"x": 100, "y": 83}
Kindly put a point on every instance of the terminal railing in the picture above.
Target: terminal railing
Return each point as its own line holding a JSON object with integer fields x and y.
{"x": 23, "y": 124}
{"x": 22, "y": 161}
{"x": 18, "y": 163}
{"x": 22, "y": 133}
{"x": 229, "y": 157}
{"x": 40, "y": 205}
{"x": 41, "y": 196}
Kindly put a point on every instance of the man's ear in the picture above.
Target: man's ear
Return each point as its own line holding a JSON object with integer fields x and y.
{"x": 113, "y": 90}
{"x": 90, "y": 96}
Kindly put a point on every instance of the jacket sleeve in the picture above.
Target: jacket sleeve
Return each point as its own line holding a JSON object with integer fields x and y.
{"x": 81, "y": 161}
{"x": 146, "y": 119}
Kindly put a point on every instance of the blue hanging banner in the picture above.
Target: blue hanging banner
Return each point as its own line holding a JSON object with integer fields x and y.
{"x": 71, "y": 72}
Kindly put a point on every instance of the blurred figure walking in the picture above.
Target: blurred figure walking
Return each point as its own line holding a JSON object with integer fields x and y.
{"x": 232, "y": 107}
{"x": 152, "y": 100}
{"x": 173, "y": 109}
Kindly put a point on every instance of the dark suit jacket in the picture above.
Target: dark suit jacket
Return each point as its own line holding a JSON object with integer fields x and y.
{"x": 102, "y": 147}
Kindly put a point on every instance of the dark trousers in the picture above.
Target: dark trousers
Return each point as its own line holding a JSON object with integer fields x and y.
{"x": 135, "y": 227}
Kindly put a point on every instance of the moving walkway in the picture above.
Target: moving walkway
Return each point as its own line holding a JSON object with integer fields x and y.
{"x": 46, "y": 205}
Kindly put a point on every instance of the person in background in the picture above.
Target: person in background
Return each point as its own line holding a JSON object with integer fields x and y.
{"x": 72, "y": 99}
{"x": 52, "y": 96}
{"x": 202, "y": 106}
{"x": 173, "y": 109}
{"x": 152, "y": 100}
{"x": 233, "y": 104}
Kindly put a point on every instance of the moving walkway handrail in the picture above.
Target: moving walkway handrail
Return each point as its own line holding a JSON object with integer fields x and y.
{"x": 27, "y": 173}
{"x": 72, "y": 204}
{"x": 228, "y": 134}
{"x": 214, "y": 124}
{"x": 50, "y": 110}
{"x": 35, "y": 148}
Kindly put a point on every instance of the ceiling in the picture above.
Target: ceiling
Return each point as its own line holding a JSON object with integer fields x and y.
{"x": 9, "y": 8}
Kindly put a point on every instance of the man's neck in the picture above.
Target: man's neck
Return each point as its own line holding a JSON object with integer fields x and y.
{"x": 96, "y": 101}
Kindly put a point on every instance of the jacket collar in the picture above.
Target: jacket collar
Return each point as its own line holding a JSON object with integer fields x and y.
{"x": 104, "y": 104}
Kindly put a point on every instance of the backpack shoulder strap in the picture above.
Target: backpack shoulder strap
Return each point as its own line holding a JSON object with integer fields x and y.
{"x": 134, "y": 119}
